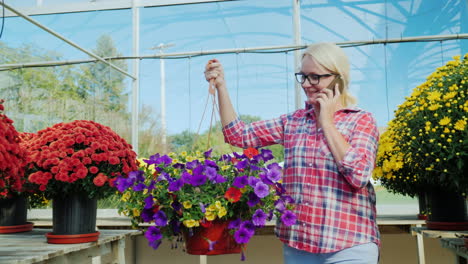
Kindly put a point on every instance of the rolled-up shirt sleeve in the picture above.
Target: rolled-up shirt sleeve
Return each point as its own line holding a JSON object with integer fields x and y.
{"x": 359, "y": 160}
{"x": 256, "y": 134}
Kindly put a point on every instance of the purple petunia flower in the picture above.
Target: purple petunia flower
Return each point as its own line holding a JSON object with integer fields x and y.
{"x": 136, "y": 176}
{"x": 211, "y": 173}
{"x": 261, "y": 189}
{"x": 179, "y": 166}
{"x": 253, "y": 200}
{"x": 241, "y": 164}
{"x": 149, "y": 202}
{"x": 279, "y": 205}
{"x": 160, "y": 218}
{"x": 211, "y": 163}
{"x": 154, "y": 236}
{"x": 123, "y": 184}
{"x": 192, "y": 164}
{"x": 288, "y": 218}
{"x": 175, "y": 185}
{"x": 234, "y": 224}
{"x": 147, "y": 215}
{"x": 264, "y": 178}
{"x": 274, "y": 174}
{"x": 166, "y": 160}
{"x": 198, "y": 179}
{"x": 266, "y": 154}
{"x": 152, "y": 159}
{"x": 164, "y": 176}
{"x": 226, "y": 158}
{"x": 202, "y": 208}
{"x": 248, "y": 225}
{"x": 139, "y": 187}
{"x": 186, "y": 177}
{"x": 240, "y": 182}
{"x": 253, "y": 181}
{"x": 259, "y": 218}
{"x": 220, "y": 179}
{"x": 242, "y": 236}
{"x": 207, "y": 153}
{"x": 176, "y": 206}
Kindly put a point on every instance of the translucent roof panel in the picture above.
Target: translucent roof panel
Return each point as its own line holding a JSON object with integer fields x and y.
{"x": 260, "y": 84}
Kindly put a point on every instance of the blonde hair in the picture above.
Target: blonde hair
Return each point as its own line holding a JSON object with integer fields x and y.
{"x": 335, "y": 60}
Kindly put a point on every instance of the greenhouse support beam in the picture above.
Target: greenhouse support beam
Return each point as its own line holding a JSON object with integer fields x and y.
{"x": 64, "y": 39}
{"x": 65, "y": 8}
{"x": 269, "y": 49}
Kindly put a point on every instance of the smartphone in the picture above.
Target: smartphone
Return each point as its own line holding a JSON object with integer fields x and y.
{"x": 338, "y": 80}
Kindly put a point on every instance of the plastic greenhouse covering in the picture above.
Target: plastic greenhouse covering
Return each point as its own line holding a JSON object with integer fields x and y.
{"x": 261, "y": 83}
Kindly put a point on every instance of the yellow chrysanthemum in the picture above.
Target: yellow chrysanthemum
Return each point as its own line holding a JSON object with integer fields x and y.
{"x": 434, "y": 96}
{"x": 460, "y": 125}
{"x": 445, "y": 121}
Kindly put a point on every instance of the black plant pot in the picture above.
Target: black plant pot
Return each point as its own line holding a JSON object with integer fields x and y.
{"x": 13, "y": 211}
{"x": 448, "y": 210}
{"x": 74, "y": 214}
{"x": 13, "y": 215}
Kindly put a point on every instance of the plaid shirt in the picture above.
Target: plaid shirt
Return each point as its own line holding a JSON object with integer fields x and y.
{"x": 335, "y": 202}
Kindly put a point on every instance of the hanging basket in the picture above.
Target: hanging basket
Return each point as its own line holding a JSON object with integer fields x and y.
{"x": 447, "y": 210}
{"x": 73, "y": 220}
{"x": 217, "y": 235}
{"x": 13, "y": 215}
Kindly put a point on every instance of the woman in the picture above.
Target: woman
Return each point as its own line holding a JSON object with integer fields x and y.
{"x": 330, "y": 149}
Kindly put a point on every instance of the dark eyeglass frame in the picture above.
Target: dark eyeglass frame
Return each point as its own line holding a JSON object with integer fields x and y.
{"x": 301, "y": 77}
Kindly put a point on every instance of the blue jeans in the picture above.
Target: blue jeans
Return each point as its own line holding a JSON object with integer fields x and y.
{"x": 360, "y": 254}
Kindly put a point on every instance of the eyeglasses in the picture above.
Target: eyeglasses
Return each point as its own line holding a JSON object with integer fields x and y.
{"x": 313, "y": 78}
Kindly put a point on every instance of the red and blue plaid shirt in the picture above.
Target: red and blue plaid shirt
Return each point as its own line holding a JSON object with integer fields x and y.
{"x": 334, "y": 201}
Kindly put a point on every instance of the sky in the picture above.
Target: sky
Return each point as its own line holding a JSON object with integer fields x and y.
{"x": 260, "y": 84}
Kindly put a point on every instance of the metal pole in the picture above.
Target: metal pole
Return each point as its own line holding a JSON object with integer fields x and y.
{"x": 163, "y": 103}
{"x": 64, "y": 39}
{"x": 297, "y": 54}
{"x": 136, "y": 72}
{"x": 191, "y": 54}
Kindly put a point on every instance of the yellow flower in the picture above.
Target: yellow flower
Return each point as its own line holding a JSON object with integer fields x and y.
{"x": 126, "y": 196}
{"x": 444, "y": 121}
{"x": 460, "y": 125}
{"x": 136, "y": 212}
{"x": 191, "y": 223}
{"x": 210, "y": 216}
{"x": 222, "y": 212}
{"x": 434, "y": 96}
{"x": 187, "y": 204}
{"x": 183, "y": 153}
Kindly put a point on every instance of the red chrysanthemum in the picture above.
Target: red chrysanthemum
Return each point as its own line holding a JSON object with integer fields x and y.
{"x": 12, "y": 157}
{"x": 80, "y": 157}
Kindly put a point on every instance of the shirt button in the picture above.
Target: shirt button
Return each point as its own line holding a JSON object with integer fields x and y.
{"x": 310, "y": 164}
{"x": 303, "y": 224}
